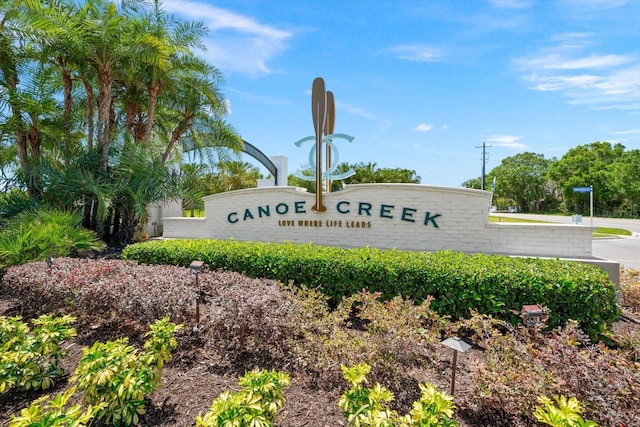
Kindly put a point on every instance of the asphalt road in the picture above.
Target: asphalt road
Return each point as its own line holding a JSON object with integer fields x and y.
{"x": 625, "y": 250}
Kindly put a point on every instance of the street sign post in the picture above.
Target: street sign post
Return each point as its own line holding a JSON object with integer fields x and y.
{"x": 589, "y": 190}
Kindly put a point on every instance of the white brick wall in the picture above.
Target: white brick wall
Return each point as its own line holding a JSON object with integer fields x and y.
{"x": 462, "y": 224}
{"x": 158, "y": 211}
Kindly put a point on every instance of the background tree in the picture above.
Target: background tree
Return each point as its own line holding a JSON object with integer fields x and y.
{"x": 475, "y": 183}
{"x": 364, "y": 173}
{"x": 585, "y": 165}
{"x": 310, "y": 186}
{"x": 235, "y": 175}
{"x": 522, "y": 178}
{"x": 197, "y": 182}
{"x": 370, "y": 173}
{"x": 626, "y": 180}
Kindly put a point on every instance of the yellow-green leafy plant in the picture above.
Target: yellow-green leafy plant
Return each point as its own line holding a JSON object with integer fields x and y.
{"x": 53, "y": 413}
{"x": 255, "y": 405}
{"x": 432, "y": 409}
{"x": 365, "y": 406}
{"x": 119, "y": 376}
{"x": 564, "y": 413}
{"x": 370, "y": 406}
{"x": 30, "y": 358}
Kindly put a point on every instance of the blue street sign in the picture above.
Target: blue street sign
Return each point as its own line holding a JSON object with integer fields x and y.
{"x": 581, "y": 189}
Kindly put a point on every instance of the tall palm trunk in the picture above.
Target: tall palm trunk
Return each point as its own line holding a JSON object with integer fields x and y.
{"x": 104, "y": 113}
{"x": 88, "y": 89}
{"x": 68, "y": 110}
{"x": 154, "y": 93}
{"x": 176, "y": 134}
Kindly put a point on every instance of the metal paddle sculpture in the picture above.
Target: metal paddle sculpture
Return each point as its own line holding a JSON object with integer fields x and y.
{"x": 328, "y": 130}
{"x": 319, "y": 113}
{"x": 323, "y": 113}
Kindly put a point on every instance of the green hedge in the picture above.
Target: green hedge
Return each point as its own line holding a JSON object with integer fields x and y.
{"x": 490, "y": 284}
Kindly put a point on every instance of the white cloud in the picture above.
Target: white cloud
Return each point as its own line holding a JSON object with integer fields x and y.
{"x": 236, "y": 42}
{"x": 261, "y": 99}
{"x": 227, "y": 106}
{"x": 511, "y": 4}
{"x": 563, "y": 82}
{"x": 508, "y": 141}
{"x": 557, "y": 61}
{"x": 627, "y": 132}
{"x": 595, "y": 4}
{"x": 599, "y": 80}
{"x": 418, "y": 53}
{"x": 423, "y": 127}
{"x": 357, "y": 111}
{"x": 571, "y": 41}
{"x": 444, "y": 127}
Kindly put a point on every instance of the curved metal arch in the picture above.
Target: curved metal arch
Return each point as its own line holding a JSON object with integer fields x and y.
{"x": 254, "y": 152}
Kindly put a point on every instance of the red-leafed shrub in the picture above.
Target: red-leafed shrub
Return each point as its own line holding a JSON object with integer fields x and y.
{"x": 103, "y": 289}
{"x": 520, "y": 366}
{"x": 247, "y": 321}
{"x": 244, "y": 320}
{"x": 603, "y": 379}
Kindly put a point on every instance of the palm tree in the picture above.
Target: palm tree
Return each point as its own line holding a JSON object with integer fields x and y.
{"x": 164, "y": 45}
{"x": 192, "y": 116}
{"x": 105, "y": 40}
{"x": 236, "y": 175}
{"x": 139, "y": 180}
{"x": 53, "y": 33}
{"x": 31, "y": 107}
{"x": 117, "y": 77}
{"x": 195, "y": 182}
{"x": 11, "y": 61}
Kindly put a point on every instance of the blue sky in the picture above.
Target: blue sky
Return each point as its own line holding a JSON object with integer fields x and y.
{"x": 422, "y": 84}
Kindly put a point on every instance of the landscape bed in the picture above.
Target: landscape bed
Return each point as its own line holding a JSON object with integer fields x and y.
{"x": 489, "y": 284}
{"x": 247, "y": 323}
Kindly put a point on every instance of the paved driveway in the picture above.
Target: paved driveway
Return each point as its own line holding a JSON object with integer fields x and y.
{"x": 625, "y": 250}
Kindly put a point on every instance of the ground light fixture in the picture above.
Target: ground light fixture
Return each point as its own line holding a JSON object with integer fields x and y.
{"x": 533, "y": 314}
{"x": 197, "y": 267}
{"x": 458, "y": 345}
{"x": 50, "y": 262}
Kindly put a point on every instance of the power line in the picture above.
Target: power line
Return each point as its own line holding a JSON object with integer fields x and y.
{"x": 484, "y": 161}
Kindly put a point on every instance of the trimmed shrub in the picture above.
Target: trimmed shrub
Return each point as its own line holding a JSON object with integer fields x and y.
{"x": 490, "y": 284}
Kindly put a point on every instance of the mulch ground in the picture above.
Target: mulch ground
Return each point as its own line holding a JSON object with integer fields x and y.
{"x": 192, "y": 380}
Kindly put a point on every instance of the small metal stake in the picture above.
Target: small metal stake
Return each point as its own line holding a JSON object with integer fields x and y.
{"x": 453, "y": 372}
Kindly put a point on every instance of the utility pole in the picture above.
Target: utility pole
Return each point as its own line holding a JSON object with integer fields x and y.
{"x": 484, "y": 161}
